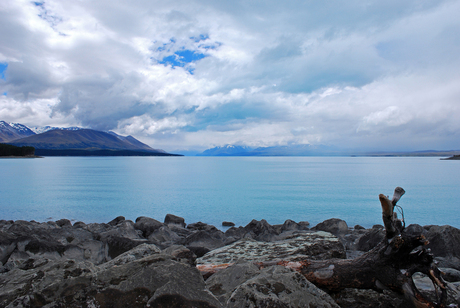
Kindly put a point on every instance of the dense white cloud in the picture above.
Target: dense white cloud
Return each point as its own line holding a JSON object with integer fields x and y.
{"x": 196, "y": 74}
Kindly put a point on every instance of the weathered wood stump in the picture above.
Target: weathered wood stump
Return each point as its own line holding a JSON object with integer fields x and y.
{"x": 390, "y": 265}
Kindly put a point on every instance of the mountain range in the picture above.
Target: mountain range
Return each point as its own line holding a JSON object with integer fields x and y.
{"x": 312, "y": 150}
{"x": 288, "y": 150}
{"x": 73, "y": 141}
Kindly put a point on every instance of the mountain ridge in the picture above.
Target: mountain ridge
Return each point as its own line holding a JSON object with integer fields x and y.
{"x": 83, "y": 139}
{"x": 73, "y": 140}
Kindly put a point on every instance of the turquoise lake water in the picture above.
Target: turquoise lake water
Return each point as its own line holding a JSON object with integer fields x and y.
{"x": 237, "y": 189}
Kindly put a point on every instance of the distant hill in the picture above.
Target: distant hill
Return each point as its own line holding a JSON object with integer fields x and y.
{"x": 227, "y": 150}
{"x": 293, "y": 150}
{"x": 74, "y": 141}
{"x": 12, "y": 131}
{"x": 83, "y": 139}
{"x": 313, "y": 150}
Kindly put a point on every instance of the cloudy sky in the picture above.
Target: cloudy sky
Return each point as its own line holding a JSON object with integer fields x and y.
{"x": 191, "y": 75}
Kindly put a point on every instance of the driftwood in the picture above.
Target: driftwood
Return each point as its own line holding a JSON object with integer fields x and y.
{"x": 390, "y": 265}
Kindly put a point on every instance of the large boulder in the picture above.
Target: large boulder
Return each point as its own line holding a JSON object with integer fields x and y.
{"x": 224, "y": 282}
{"x": 164, "y": 237}
{"x": 278, "y": 286}
{"x": 444, "y": 240}
{"x": 206, "y": 239}
{"x": 336, "y": 226}
{"x": 147, "y": 225}
{"x": 171, "y": 219}
{"x": 261, "y": 231}
{"x": 128, "y": 281}
{"x": 313, "y": 245}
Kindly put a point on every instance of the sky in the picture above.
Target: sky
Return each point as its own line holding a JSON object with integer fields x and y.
{"x": 191, "y": 75}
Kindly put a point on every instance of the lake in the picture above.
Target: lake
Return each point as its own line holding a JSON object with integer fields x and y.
{"x": 237, "y": 189}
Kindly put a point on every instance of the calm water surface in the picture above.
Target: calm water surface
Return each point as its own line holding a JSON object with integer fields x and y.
{"x": 238, "y": 189}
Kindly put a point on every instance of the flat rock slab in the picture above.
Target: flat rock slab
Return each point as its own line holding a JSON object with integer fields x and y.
{"x": 314, "y": 246}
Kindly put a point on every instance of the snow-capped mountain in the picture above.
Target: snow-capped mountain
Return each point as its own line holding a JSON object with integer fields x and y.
{"x": 227, "y": 150}
{"x": 44, "y": 129}
{"x": 13, "y": 131}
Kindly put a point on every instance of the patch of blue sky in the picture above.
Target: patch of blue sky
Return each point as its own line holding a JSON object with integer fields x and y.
{"x": 210, "y": 46}
{"x": 181, "y": 58}
{"x": 201, "y": 37}
{"x": 5, "y": 93}
{"x": 3, "y": 67}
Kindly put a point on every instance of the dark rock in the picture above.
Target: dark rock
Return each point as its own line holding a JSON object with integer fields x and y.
{"x": 201, "y": 226}
{"x": 444, "y": 240}
{"x": 64, "y": 223}
{"x": 428, "y": 290}
{"x": 124, "y": 228}
{"x": 116, "y": 220}
{"x": 450, "y": 274}
{"x": 224, "y": 282}
{"x": 199, "y": 251}
{"x": 370, "y": 239}
{"x": 79, "y": 224}
{"x": 181, "y": 253}
{"x": 118, "y": 245}
{"x": 164, "y": 237}
{"x": 209, "y": 240}
{"x": 336, "y": 226}
{"x": 260, "y": 231}
{"x": 358, "y": 227}
{"x": 147, "y": 225}
{"x": 235, "y": 232}
{"x": 290, "y": 225}
{"x": 278, "y": 286}
{"x": 171, "y": 219}
{"x": 378, "y": 227}
{"x": 228, "y": 224}
{"x": 354, "y": 298}
{"x": 156, "y": 280}
{"x": 139, "y": 252}
{"x": 304, "y": 225}
{"x": 181, "y": 231}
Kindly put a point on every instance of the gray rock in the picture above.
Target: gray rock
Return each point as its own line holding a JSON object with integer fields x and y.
{"x": 125, "y": 229}
{"x": 450, "y": 274}
{"x": 201, "y": 226}
{"x": 171, "y": 219}
{"x": 336, "y": 226}
{"x": 147, "y": 225}
{"x": 181, "y": 253}
{"x": 278, "y": 286}
{"x": 117, "y": 220}
{"x": 426, "y": 287}
{"x": 164, "y": 237}
{"x": 444, "y": 241}
{"x": 369, "y": 239}
{"x": 156, "y": 279}
{"x": 260, "y": 231}
{"x": 228, "y": 224}
{"x": 79, "y": 224}
{"x": 224, "y": 282}
{"x": 206, "y": 239}
{"x": 354, "y": 298}
{"x": 64, "y": 223}
{"x": 312, "y": 245}
{"x": 139, "y": 252}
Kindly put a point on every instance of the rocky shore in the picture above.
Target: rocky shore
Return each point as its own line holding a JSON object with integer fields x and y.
{"x": 148, "y": 263}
